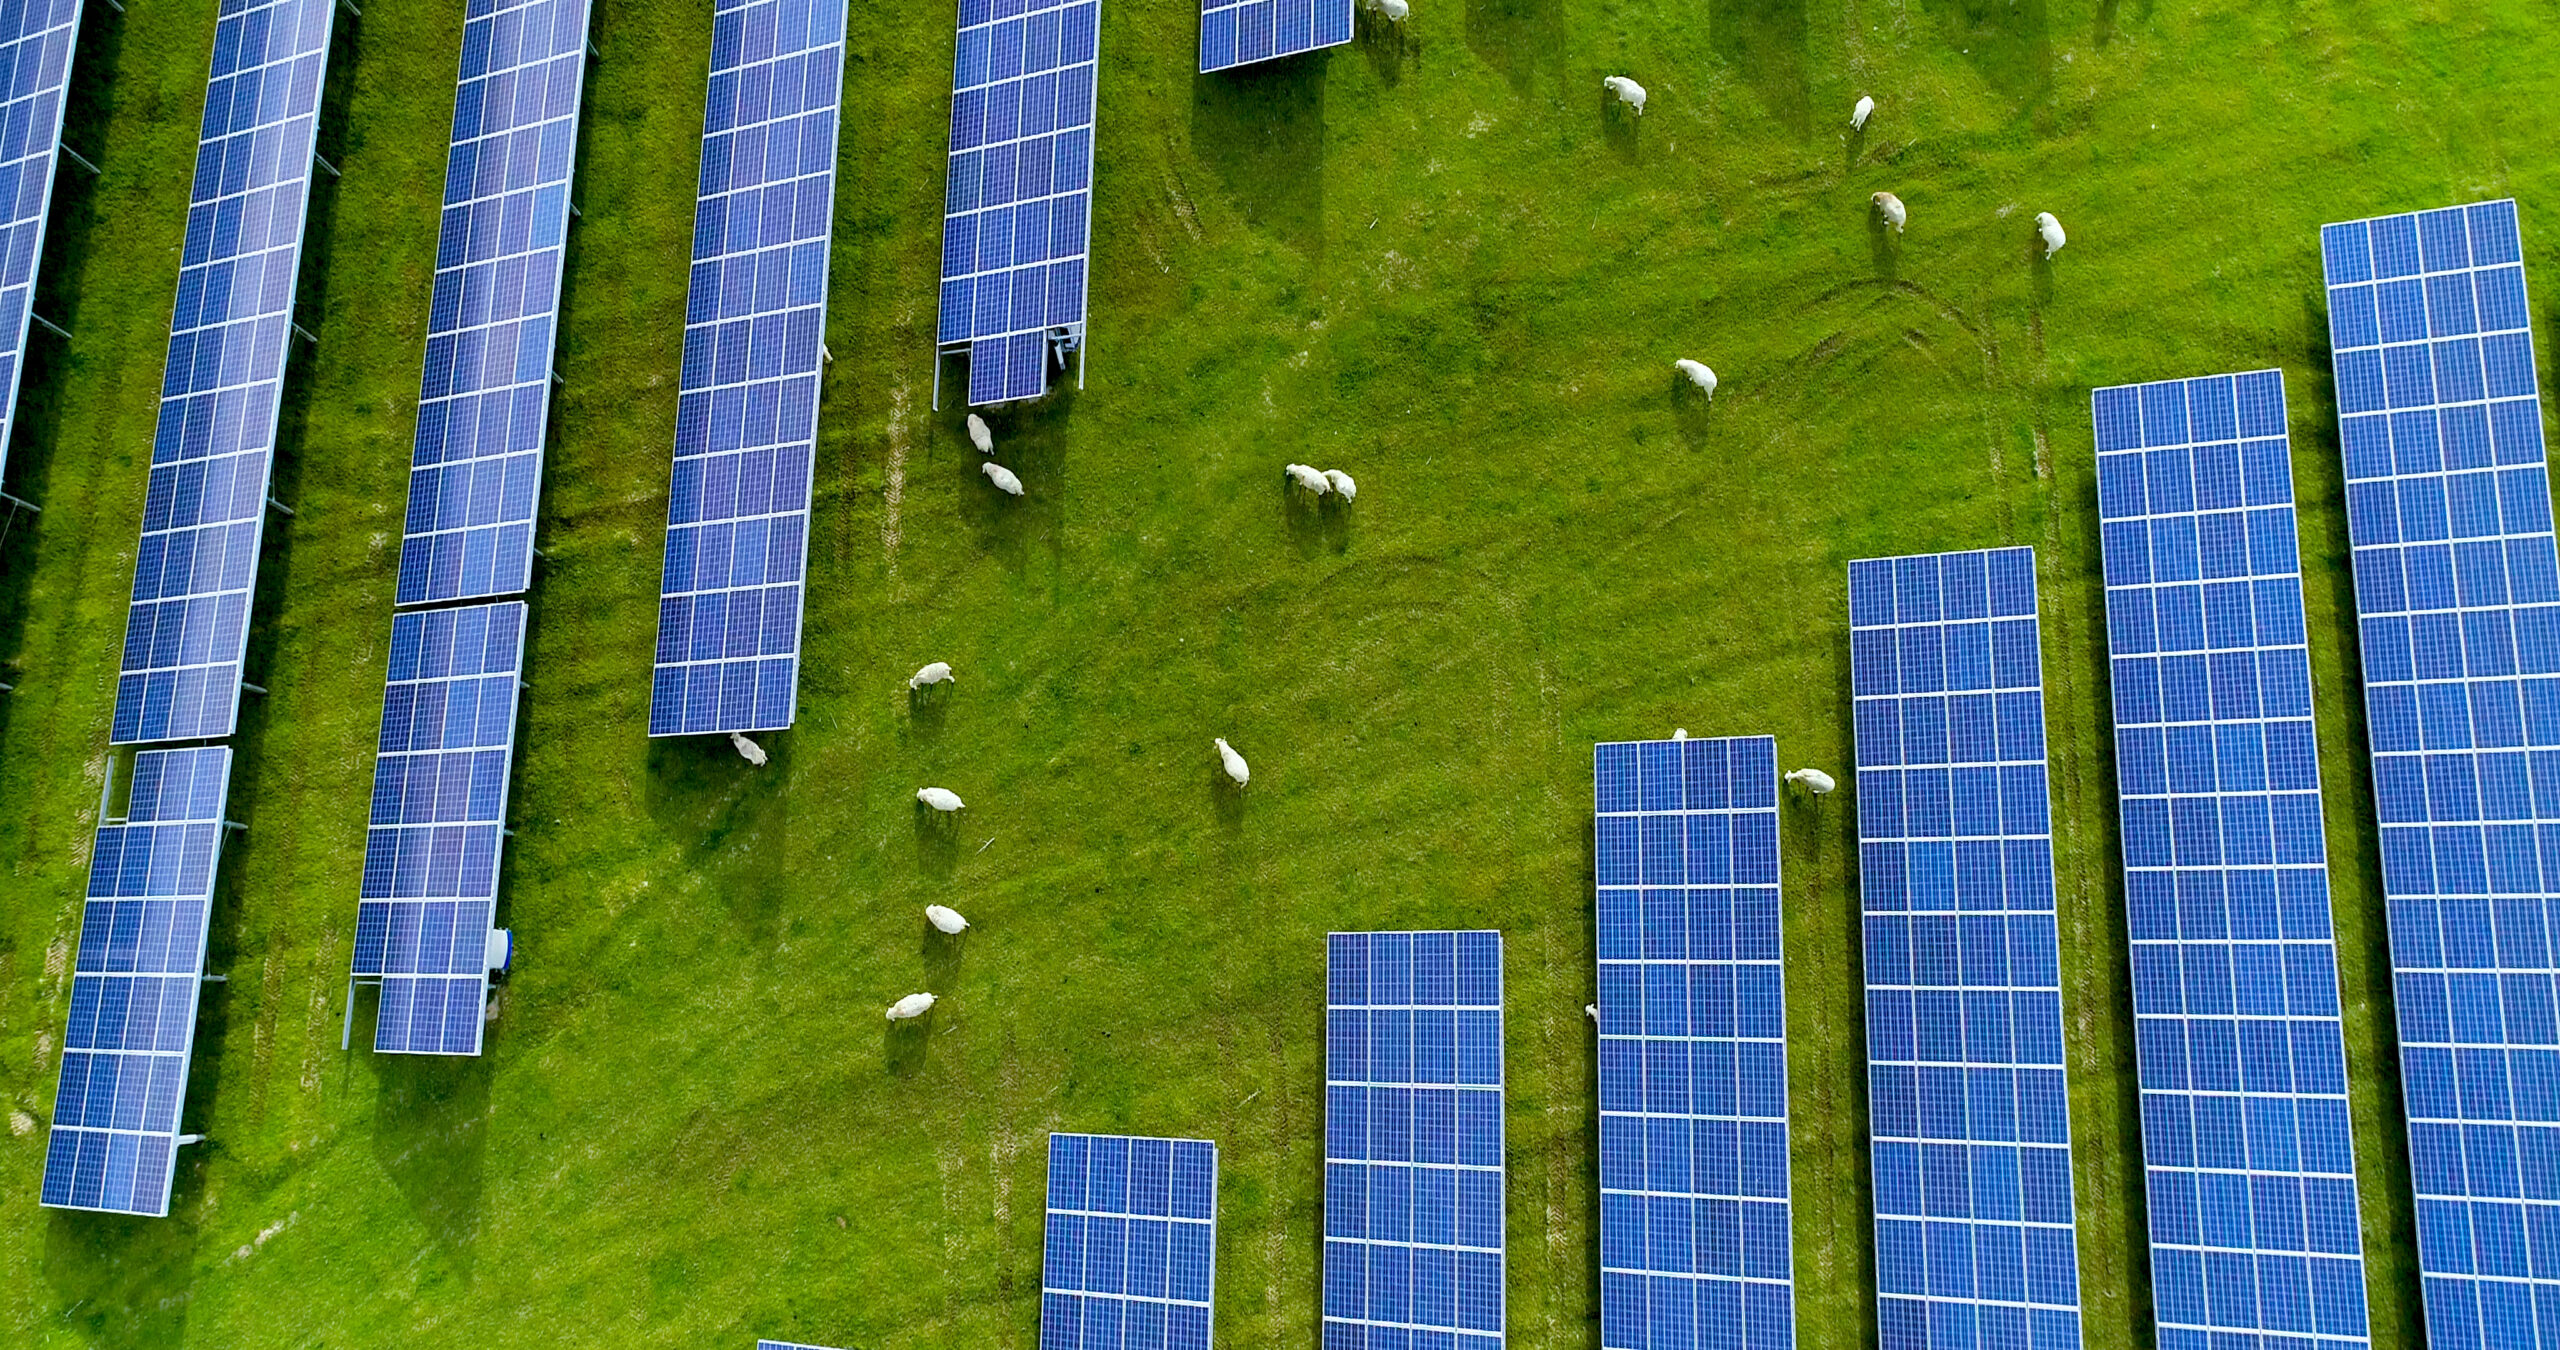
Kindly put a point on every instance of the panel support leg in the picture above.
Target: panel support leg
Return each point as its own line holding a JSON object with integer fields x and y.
{"x": 280, "y": 506}
{"x": 827, "y": 353}
{"x": 21, "y": 504}
{"x": 49, "y": 325}
{"x": 258, "y": 689}
{"x": 76, "y": 157}
{"x": 347, "y": 1027}
{"x": 316, "y": 157}
{"x": 305, "y": 334}
{"x": 217, "y": 979}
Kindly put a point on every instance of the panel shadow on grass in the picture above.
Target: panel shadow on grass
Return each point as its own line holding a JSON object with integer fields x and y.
{"x": 1516, "y": 37}
{"x": 1261, "y": 128}
{"x": 431, "y": 1138}
{"x": 123, "y": 1281}
{"x": 2009, "y": 42}
{"x": 1764, "y": 41}
{"x": 728, "y": 819}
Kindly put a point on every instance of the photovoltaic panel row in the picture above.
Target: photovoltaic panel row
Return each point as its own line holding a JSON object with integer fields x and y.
{"x": 1240, "y": 32}
{"x": 1018, "y": 205}
{"x": 1966, "y": 1082}
{"x": 1413, "y": 1165}
{"x": 2248, "y": 1159}
{"x": 36, "y": 42}
{"x": 475, "y": 471}
{"x": 134, "y": 987}
{"x": 747, "y": 417}
{"x": 212, "y": 455}
{"x": 2458, "y": 608}
{"x": 440, "y": 777}
{"x": 1130, "y": 1261}
{"x": 787, "y": 1345}
{"x": 1695, "y": 1241}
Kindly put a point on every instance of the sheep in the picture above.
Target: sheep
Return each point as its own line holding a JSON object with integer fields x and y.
{"x": 980, "y": 437}
{"x": 1394, "y": 10}
{"x": 1698, "y": 374}
{"x": 1234, "y": 763}
{"x": 1343, "y": 486}
{"x": 912, "y": 1006}
{"x": 1592, "y": 1011}
{"x": 1814, "y": 781}
{"x": 1628, "y": 91}
{"x": 945, "y": 918}
{"x": 1891, "y": 208}
{"x": 2050, "y": 231}
{"x": 1858, "y": 115}
{"x": 1308, "y": 477}
{"x": 747, "y": 750}
{"x": 1002, "y": 477}
{"x": 939, "y": 672}
{"x": 940, "y": 799}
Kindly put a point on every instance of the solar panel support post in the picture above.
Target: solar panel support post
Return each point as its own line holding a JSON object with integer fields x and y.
{"x": 322, "y": 161}
{"x": 305, "y": 334}
{"x": 827, "y": 353}
{"x": 17, "y": 503}
{"x": 258, "y": 689}
{"x": 280, "y": 506}
{"x": 49, "y": 325}
{"x": 215, "y": 979}
{"x": 76, "y": 157}
{"x": 186, "y": 1139}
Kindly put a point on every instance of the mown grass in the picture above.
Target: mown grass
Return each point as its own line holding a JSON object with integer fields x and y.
{"x": 1433, "y": 258}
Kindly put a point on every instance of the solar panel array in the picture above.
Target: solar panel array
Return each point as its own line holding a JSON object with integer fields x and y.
{"x": 747, "y": 416}
{"x": 1131, "y": 1254}
{"x": 1019, "y": 202}
{"x": 1695, "y": 1242}
{"x": 2458, "y": 606}
{"x": 1969, "y": 1110}
{"x": 1240, "y": 32}
{"x": 212, "y": 454}
{"x": 484, "y": 400}
{"x": 1413, "y": 1165}
{"x": 36, "y": 42}
{"x": 787, "y": 1345}
{"x": 2248, "y": 1158}
{"x": 134, "y": 987}
{"x": 440, "y": 777}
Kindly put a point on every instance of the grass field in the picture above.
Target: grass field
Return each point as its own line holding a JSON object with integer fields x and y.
{"x": 1432, "y": 258}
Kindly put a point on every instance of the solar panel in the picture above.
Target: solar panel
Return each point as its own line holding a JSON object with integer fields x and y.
{"x": 475, "y": 471}
{"x": 2456, "y": 578}
{"x": 440, "y": 776}
{"x": 1019, "y": 201}
{"x": 1413, "y": 1141}
{"x": 1695, "y": 1242}
{"x": 211, "y": 456}
{"x": 2247, "y": 1154}
{"x": 36, "y": 42}
{"x": 1240, "y": 32}
{"x": 787, "y": 1345}
{"x": 134, "y": 987}
{"x": 1131, "y": 1255}
{"x": 1970, "y": 1120}
{"x": 747, "y": 418}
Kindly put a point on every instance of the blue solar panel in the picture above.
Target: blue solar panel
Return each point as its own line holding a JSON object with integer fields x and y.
{"x": 1969, "y": 1108}
{"x": 2458, "y": 605}
{"x": 747, "y": 418}
{"x": 484, "y": 402}
{"x": 36, "y": 41}
{"x": 1132, "y": 1245}
{"x": 211, "y": 456}
{"x": 787, "y": 1345}
{"x": 1239, "y": 32}
{"x": 134, "y": 987}
{"x": 1695, "y": 1247}
{"x": 1019, "y": 202}
{"x": 440, "y": 776}
{"x": 1413, "y": 1141}
{"x": 2249, "y": 1164}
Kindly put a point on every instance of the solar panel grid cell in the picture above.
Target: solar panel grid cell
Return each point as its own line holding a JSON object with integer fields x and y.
{"x": 1240, "y": 32}
{"x": 1695, "y": 1242}
{"x": 2248, "y": 1160}
{"x": 1969, "y": 1117}
{"x": 1130, "y": 1255}
{"x": 36, "y": 42}
{"x": 2457, "y": 586}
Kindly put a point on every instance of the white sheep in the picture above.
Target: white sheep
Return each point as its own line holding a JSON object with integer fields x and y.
{"x": 1002, "y": 477}
{"x": 945, "y": 918}
{"x": 940, "y": 799}
{"x": 1234, "y": 763}
{"x": 1891, "y": 208}
{"x": 980, "y": 437}
{"x": 1592, "y": 1011}
{"x": 747, "y": 750}
{"x": 1395, "y": 10}
{"x": 1343, "y": 486}
{"x": 1814, "y": 781}
{"x": 938, "y": 672}
{"x": 912, "y": 1006}
{"x": 1858, "y": 115}
{"x": 1698, "y": 374}
{"x": 1628, "y": 91}
{"x": 2050, "y": 231}
{"x": 1308, "y": 477}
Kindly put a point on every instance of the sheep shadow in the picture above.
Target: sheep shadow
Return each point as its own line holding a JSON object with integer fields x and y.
{"x": 2009, "y": 42}
{"x": 1226, "y": 798}
{"x": 1317, "y": 525}
{"x": 1261, "y": 128}
{"x": 1516, "y": 37}
{"x": 2039, "y": 271}
{"x": 1884, "y": 245}
{"x": 1692, "y": 410}
{"x": 1385, "y": 43}
{"x": 937, "y": 841}
{"x": 926, "y": 709}
{"x": 1619, "y": 125}
{"x": 942, "y": 954}
{"x": 906, "y": 1046}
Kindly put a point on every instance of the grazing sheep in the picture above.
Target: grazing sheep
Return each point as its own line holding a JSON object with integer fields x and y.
{"x": 1002, "y": 477}
{"x": 1628, "y": 91}
{"x": 1592, "y": 1011}
{"x": 1308, "y": 477}
{"x": 937, "y": 673}
{"x": 1698, "y": 374}
{"x": 1343, "y": 486}
{"x": 912, "y": 1006}
{"x": 1890, "y": 207}
{"x": 1395, "y": 10}
{"x": 747, "y": 750}
{"x": 945, "y": 918}
{"x": 1234, "y": 763}
{"x": 2050, "y": 231}
{"x": 940, "y": 799}
{"x": 1858, "y": 115}
{"x": 980, "y": 437}
{"x": 1814, "y": 781}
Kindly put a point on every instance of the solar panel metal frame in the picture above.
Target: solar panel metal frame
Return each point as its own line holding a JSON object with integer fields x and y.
{"x": 1183, "y": 1322}
{"x": 747, "y": 410}
{"x": 158, "y": 897}
{"x": 1241, "y": 32}
{"x": 1381, "y": 1020}
{"x": 432, "y": 860}
{"x": 1961, "y": 949}
{"x": 52, "y": 29}
{"x": 213, "y": 453}
{"x": 475, "y": 476}
{"x": 2249, "y": 1154}
{"x": 1691, "y": 976}
{"x": 2457, "y": 586}
{"x": 789, "y": 1345}
{"x": 1011, "y": 339}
